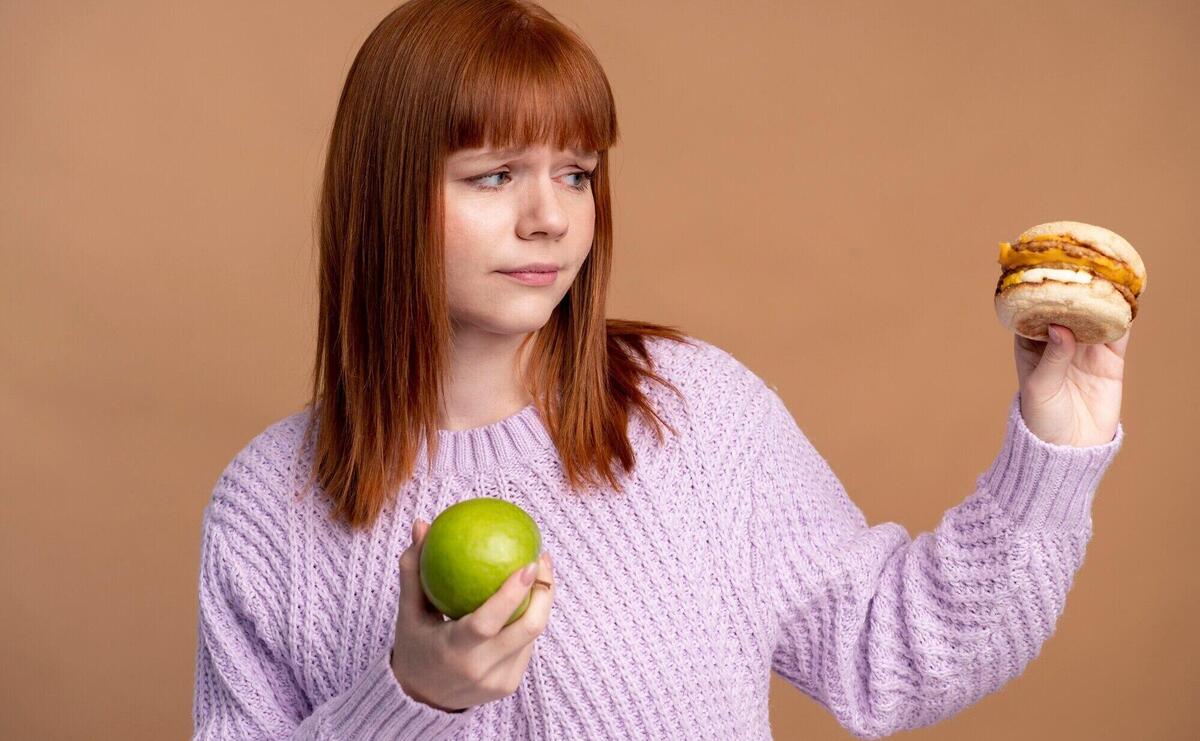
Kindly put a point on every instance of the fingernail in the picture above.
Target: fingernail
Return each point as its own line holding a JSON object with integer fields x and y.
{"x": 1054, "y": 337}
{"x": 528, "y": 573}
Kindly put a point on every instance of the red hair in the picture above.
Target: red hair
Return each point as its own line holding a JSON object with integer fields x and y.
{"x": 433, "y": 77}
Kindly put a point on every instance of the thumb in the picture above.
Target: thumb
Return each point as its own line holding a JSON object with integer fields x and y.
{"x": 1057, "y": 357}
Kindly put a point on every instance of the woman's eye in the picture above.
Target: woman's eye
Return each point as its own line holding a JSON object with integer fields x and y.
{"x": 479, "y": 180}
{"x": 587, "y": 179}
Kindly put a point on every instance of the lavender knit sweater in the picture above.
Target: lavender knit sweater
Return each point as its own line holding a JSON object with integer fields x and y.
{"x": 733, "y": 552}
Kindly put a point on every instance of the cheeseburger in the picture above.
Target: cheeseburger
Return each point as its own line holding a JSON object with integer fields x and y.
{"x": 1076, "y": 275}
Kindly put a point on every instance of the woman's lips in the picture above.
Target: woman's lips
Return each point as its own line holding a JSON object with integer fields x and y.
{"x": 534, "y": 279}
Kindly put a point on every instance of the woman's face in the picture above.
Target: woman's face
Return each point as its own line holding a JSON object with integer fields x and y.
{"x": 506, "y": 210}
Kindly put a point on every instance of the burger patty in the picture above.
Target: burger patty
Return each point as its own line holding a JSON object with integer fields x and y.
{"x": 1074, "y": 250}
{"x": 1124, "y": 291}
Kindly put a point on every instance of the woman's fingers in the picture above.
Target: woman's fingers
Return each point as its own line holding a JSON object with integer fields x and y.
{"x": 520, "y": 635}
{"x": 1118, "y": 346}
{"x": 489, "y": 618}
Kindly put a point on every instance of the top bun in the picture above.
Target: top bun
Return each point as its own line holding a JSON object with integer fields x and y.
{"x": 1102, "y": 240}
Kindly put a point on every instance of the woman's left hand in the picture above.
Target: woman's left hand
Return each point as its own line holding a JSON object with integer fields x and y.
{"x": 1070, "y": 393}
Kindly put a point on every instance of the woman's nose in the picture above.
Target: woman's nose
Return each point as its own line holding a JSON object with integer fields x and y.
{"x": 542, "y": 209}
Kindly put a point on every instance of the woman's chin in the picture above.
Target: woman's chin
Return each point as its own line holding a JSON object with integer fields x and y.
{"x": 517, "y": 322}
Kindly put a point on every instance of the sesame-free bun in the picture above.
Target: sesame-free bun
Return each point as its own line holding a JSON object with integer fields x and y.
{"x": 1102, "y": 240}
{"x": 1095, "y": 312}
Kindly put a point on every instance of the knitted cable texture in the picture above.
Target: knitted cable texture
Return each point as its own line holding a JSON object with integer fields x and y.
{"x": 734, "y": 551}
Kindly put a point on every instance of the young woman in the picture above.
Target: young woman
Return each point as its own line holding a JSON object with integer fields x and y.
{"x": 699, "y": 541}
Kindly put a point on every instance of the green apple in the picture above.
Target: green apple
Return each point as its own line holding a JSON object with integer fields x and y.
{"x": 471, "y": 548}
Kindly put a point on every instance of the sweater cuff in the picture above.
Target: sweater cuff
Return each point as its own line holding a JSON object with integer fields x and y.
{"x": 1045, "y": 486}
{"x": 376, "y": 706}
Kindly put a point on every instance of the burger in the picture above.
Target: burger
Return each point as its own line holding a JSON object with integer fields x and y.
{"x": 1076, "y": 275}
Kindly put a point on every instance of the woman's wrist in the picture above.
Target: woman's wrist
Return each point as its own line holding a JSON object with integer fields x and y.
{"x": 415, "y": 695}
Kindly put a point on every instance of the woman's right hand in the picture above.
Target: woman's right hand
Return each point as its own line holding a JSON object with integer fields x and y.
{"x": 452, "y": 665}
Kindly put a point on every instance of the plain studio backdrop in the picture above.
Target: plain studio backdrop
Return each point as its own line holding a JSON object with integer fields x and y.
{"x": 817, "y": 187}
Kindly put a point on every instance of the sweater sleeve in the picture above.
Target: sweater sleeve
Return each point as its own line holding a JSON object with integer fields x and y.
{"x": 892, "y": 633}
{"x": 246, "y": 685}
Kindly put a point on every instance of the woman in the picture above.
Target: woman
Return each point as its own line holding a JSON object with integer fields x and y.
{"x": 471, "y": 141}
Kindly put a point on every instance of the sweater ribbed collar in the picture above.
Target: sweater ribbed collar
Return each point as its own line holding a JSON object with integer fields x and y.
{"x": 519, "y": 436}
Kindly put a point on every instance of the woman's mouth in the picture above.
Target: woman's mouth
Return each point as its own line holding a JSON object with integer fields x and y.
{"x": 534, "y": 278}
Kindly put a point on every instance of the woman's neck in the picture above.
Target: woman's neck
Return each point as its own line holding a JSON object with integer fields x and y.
{"x": 484, "y": 381}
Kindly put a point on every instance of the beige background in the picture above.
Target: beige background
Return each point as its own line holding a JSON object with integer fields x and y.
{"x": 816, "y": 187}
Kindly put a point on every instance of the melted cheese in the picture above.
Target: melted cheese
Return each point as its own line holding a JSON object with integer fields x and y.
{"x": 1037, "y": 275}
{"x": 1055, "y": 237}
{"x": 1101, "y": 265}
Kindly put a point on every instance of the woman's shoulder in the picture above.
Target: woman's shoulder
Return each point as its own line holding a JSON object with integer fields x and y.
{"x": 255, "y": 485}
{"x": 703, "y": 366}
{"x": 720, "y": 390}
{"x": 246, "y": 535}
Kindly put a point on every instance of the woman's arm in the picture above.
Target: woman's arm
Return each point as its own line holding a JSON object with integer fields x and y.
{"x": 245, "y": 686}
{"x": 891, "y": 633}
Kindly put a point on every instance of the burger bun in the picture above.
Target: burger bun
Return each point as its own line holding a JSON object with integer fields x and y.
{"x": 1095, "y": 312}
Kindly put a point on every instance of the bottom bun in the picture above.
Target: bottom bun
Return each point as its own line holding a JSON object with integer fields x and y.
{"x": 1095, "y": 312}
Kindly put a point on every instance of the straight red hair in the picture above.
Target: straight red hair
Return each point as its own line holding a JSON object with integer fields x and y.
{"x": 433, "y": 77}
